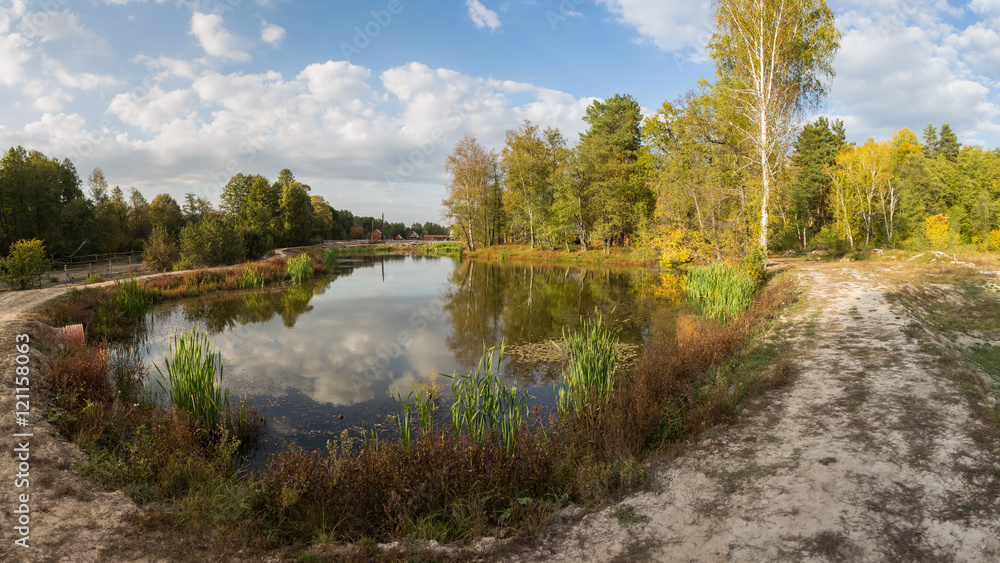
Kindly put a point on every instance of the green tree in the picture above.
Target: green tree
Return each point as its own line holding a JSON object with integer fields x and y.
{"x": 214, "y": 240}
{"x": 611, "y": 153}
{"x": 160, "y": 251}
{"x": 930, "y": 141}
{"x": 165, "y": 212}
{"x": 528, "y": 163}
{"x": 947, "y": 144}
{"x": 816, "y": 149}
{"x": 771, "y": 57}
{"x": 474, "y": 204}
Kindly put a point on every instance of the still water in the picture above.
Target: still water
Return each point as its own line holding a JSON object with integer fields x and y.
{"x": 322, "y": 357}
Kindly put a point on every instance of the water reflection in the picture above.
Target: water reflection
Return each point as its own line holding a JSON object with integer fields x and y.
{"x": 337, "y": 346}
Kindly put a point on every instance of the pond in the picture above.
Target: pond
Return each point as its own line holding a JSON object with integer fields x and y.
{"x": 322, "y": 357}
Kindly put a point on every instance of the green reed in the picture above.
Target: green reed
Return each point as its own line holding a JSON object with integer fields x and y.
{"x": 193, "y": 383}
{"x": 132, "y": 297}
{"x": 484, "y": 406}
{"x": 250, "y": 278}
{"x": 720, "y": 291}
{"x": 591, "y": 368}
{"x": 299, "y": 268}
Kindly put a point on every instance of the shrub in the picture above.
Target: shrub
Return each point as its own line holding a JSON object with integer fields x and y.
{"x": 23, "y": 267}
{"x": 212, "y": 241}
{"x": 94, "y": 278}
{"x": 256, "y": 244}
{"x": 299, "y": 268}
{"x": 937, "y": 231}
{"x": 160, "y": 252}
{"x": 994, "y": 239}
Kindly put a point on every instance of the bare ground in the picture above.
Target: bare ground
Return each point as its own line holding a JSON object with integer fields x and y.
{"x": 872, "y": 454}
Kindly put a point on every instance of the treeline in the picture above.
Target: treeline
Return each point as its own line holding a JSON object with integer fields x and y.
{"x": 44, "y": 198}
{"x": 537, "y": 190}
{"x": 678, "y": 181}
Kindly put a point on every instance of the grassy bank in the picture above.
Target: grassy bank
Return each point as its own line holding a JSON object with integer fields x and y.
{"x": 489, "y": 466}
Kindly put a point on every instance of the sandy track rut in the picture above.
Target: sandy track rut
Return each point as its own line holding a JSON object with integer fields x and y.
{"x": 868, "y": 455}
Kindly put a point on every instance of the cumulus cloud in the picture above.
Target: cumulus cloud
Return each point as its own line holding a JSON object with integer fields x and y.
{"x": 271, "y": 33}
{"x": 79, "y": 80}
{"x": 671, "y": 26}
{"x": 482, "y": 16}
{"x": 215, "y": 40}
{"x": 901, "y": 74}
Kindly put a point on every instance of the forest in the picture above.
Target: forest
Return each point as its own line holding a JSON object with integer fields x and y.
{"x": 43, "y": 198}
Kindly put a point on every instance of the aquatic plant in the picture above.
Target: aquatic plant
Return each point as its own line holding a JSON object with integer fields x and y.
{"x": 591, "y": 368}
{"x": 193, "y": 383}
{"x": 250, "y": 278}
{"x": 720, "y": 291}
{"x": 299, "y": 268}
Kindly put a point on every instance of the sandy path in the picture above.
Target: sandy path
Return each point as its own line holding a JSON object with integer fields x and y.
{"x": 870, "y": 455}
{"x": 70, "y": 518}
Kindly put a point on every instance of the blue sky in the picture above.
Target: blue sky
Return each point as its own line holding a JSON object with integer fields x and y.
{"x": 364, "y": 100}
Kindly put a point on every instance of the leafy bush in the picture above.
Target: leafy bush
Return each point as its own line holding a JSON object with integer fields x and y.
{"x": 160, "y": 252}
{"x": 256, "y": 244}
{"x": 93, "y": 278}
{"x": 24, "y": 266}
{"x": 212, "y": 241}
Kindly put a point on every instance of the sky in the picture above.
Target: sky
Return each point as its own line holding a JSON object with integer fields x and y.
{"x": 363, "y": 101}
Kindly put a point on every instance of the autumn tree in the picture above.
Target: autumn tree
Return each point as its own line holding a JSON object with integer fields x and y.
{"x": 165, "y": 212}
{"x": 528, "y": 162}
{"x": 771, "y": 56}
{"x": 473, "y": 204}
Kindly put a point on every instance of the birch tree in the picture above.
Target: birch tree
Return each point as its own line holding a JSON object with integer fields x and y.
{"x": 771, "y": 56}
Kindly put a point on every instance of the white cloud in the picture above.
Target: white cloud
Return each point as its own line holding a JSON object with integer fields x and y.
{"x": 271, "y": 33}
{"x": 80, "y": 80}
{"x": 338, "y": 80}
{"x": 214, "y": 38}
{"x": 909, "y": 76}
{"x": 671, "y": 26}
{"x": 482, "y": 16}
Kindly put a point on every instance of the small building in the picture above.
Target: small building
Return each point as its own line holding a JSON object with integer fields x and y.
{"x": 437, "y": 238}
{"x": 376, "y": 234}
{"x": 398, "y": 237}
{"x": 413, "y": 236}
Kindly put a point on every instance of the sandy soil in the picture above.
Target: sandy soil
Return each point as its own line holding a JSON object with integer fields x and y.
{"x": 870, "y": 455}
{"x": 70, "y": 518}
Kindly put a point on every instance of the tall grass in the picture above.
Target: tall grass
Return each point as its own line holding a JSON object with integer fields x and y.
{"x": 331, "y": 257}
{"x": 193, "y": 383}
{"x": 299, "y": 268}
{"x": 484, "y": 406}
{"x": 590, "y": 374}
{"x": 250, "y": 278}
{"x": 720, "y": 291}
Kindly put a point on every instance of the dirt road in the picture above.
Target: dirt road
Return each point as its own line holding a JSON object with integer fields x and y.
{"x": 870, "y": 455}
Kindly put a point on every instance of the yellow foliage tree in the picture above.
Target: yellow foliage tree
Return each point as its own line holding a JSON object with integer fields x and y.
{"x": 937, "y": 231}
{"x": 994, "y": 239}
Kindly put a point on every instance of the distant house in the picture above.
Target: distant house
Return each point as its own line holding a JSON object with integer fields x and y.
{"x": 437, "y": 238}
{"x": 413, "y": 236}
{"x": 398, "y": 237}
{"x": 376, "y": 235}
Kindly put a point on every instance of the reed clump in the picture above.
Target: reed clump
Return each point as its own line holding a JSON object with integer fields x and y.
{"x": 591, "y": 368}
{"x": 299, "y": 268}
{"x": 192, "y": 380}
{"x": 721, "y": 291}
{"x": 250, "y": 278}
